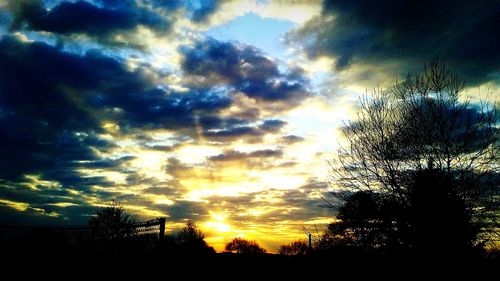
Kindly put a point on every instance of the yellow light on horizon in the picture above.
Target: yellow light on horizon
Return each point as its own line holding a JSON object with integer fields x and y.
{"x": 218, "y": 226}
{"x": 218, "y": 223}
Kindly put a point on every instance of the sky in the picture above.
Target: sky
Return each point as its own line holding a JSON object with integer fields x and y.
{"x": 224, "y": 112}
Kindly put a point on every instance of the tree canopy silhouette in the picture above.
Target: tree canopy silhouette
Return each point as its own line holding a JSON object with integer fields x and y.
{"x": 243, "y": 246}
{"x": 111, "y": 226}
{"x": 420, "y": 168}
{"x": 191, "y": 241}
{"x": 112, "y": 222}
{"x": 296, "y": 248}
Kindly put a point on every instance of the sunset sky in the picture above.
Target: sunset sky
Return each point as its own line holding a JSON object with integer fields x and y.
{"x": 223, "y": 112}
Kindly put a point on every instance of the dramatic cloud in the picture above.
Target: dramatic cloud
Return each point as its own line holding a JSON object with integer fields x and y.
{"x": 205, "y": 9}
{"x": 46, "y": 204}
{"x": 242, "y": 131}
{"x": 290, "y": 139}
{"x": 244, "y": 68}
{"x": 132, "y": 100}
{"x": 236, "y": 155}
{"x": 54, "y": 105}
{"x": 84, "y": 17}
{"x": 403, "y": 34}
{"x": 272, "y": 125}
{"x": 71, "y": 96}
{"x": 65, "y": 113}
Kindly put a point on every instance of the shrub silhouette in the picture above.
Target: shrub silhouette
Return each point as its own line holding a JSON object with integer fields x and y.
{"x": 296, "y": 248}
{"x": 191, "y": 241}
{"x": 245, "y": 247}
{"x": 111, "y": 228}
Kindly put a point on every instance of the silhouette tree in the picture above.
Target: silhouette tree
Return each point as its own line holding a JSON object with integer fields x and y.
{"x": 246, "y": 247}
{"x": 365, "y": 222}
{"x": 420, "y": 167}
{"x": 190, "y": 233}
{"x": 111, "y": 227}
{"x": 191, "y": 241}
{"x": 296, "y": 248}
{"x": 360, "y": 218}
{"x": 441, "y": 221}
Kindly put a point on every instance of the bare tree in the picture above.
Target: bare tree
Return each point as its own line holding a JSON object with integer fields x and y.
{"x": 422, "y": 129}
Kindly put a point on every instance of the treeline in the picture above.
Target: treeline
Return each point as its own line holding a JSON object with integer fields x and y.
{"x": 357, "y": 236}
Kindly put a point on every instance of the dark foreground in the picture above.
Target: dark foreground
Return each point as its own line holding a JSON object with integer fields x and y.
{"x": 242, "y": 267}
{"x": 54, "y": 253}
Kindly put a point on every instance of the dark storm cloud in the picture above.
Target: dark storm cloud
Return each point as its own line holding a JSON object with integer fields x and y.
{"x": 241, "y": 129}
{"x": 84, "y": 17}
{"x": 52, "y": 104}
{"x": 408, "y": 33}
{"x": 168, "y": 4}
{"x": 68, "y": 178}
{"x": 197, "y": 11}
{"x": 164, "y": 148}
{"x": 32, "y": 146}
{"x": 234, "y": 155}
{"x": 45, "y": 195}
{"x": 66, "y": 89}
{"x": 177, "y": 169}
{"x": 44, "y": 202}
{"x": 206, "y": 8}
{"x": 272, "y": 125}
{"x": 45, "y": 126}
{"x": 5, "y": 18}
{"x": 107, "y": 163}
{"x": 160, "y": 108}
{"x": 249, "y": 133}
{"x": 244, "y": 68}
{"x": 29, "y": 216}
{"x": 217, "y": 122}
{"x": 173, "y": 188}
{"x": 291, "y": 139}
{"x": 54, "y": 101}
{"x": 266, "y": 153}
{"x": 134, "y": 178}
{"x": 182, "y": 210}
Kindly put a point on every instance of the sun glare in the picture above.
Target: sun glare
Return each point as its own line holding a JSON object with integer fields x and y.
{"x": 150, "y": 163}
{"x": 218, "y": 223}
